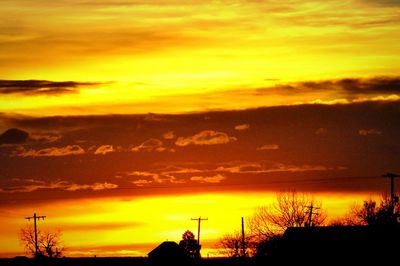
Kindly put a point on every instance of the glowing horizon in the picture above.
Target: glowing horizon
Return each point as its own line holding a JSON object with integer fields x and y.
{"x": 127, "y": 228}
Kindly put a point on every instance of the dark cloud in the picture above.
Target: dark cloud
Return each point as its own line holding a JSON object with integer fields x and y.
{"x": 384, "y": 2}
{"x": 349, "y": 86}
{"x": 14, "y": 136}
{"x": 319, "y": 147}
{"x": 346, "y": 90}
{"x": 41, "y": 87}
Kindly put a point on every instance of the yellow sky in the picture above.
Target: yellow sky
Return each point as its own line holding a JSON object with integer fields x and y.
{"x": 133, "y": 226}
{"x": 153, "y": 53}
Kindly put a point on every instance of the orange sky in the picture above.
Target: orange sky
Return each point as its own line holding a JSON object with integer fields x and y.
{"x": 114, "y": 111}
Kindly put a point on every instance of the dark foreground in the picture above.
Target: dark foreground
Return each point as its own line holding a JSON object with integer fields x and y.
{"x": 125, "y": 262}
{"x": 341, "y": 245}
{"x": 308, "y": 259}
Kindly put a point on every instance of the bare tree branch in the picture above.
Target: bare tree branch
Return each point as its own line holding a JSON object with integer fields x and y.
{"x": 49, "y": 243}
{"x": 291, "y": 209}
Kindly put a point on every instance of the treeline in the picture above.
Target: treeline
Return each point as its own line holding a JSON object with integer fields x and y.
{"x": 265, "y": 228}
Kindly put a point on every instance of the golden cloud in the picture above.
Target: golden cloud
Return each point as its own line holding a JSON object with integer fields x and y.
{"x": 206, "y": 137}
{"x": 53, "y": 151}
{"x": 150, "y": 145}
{"x": 34, "y": 185}
{"x": 169, "y": 135}
{"x": 242, "y": 127}
{"x": 208, "y": 179}
{"x": 371, "y": 131}
{"x": 268, "y": 147}
{"x": 104, "y": 149}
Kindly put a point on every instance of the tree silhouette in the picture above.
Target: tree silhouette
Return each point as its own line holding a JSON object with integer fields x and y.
{"x": 232, "y": 245}
{"x": 371, "y": 214}
{"x": 291, "y": 209}
{"x": 189, "y": 243}
{"x": 49, "y": 243}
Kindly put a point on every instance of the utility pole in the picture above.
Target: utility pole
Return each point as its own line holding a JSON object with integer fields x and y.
{"x": 393, "y": 198}
{"x": 198, "y": 228}
{"x": 243, "y": 238}
{"x": 310, "y": 214}
{"x": 35, "y": 217}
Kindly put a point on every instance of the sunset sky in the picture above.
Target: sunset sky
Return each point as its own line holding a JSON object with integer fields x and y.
{"x": 120, "y": 120}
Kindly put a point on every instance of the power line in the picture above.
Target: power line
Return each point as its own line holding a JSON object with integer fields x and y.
{"x": 258, "y": 185}
{"x": 393, "y": 198}
{"x": 35, "y": 217}
{"x": 310, "y": 214}
{"x": 243, "y": 240}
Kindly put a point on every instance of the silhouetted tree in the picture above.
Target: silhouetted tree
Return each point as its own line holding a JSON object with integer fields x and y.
{"x": 346, "y": 220}
{"x": 49, "y": 243}
{"x": 232, "y": 245}
{"x": 189, "y": 243}
{"x": 371, "y": 214}
{"x": 290, "y": 210}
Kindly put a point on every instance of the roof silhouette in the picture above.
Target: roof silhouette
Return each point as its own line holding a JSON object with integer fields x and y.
{"x": 168, "y": 250}
{"x": 340, "y": 243}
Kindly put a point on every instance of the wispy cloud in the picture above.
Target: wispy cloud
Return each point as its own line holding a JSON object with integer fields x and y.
{"x": 95, "y": 186}
{"x": 268, "y": 147}
{"x": 53, "y": 151}
{"x": 45, "y": 136}
{"x": 156, "y": 177}
{"x": 371, "y": 131}
{"x": 179, "y": 170}
{"x": 261, "y": 167}
{"x": 41, "y": 87}
{"x": 384, "y": 2}
{"x": 349, "y": 87}
{"x": 208, "y": 179}
{"x": 217, "y": 173}
{"x": 206, "y": 137}
{"x": 149, "y": 146}
{"x": 34, "y": 185}
{"x": 242, "y": 127}
{"x": 141, "y": 182}
{"x": 334, "y": 91}
{"x": 104, "y": 149}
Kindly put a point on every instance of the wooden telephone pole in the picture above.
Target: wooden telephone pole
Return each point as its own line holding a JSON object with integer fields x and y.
{"x": 243, "y": 240}
{"x": 393, "y": 198}
{"x": 35, "y": 217}
{"x": 198, "y": 227}
{"x": 310, "y": 214}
